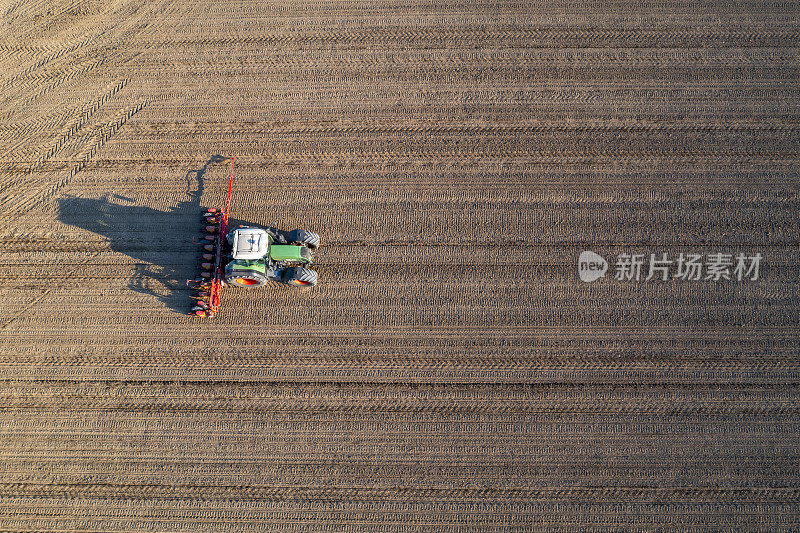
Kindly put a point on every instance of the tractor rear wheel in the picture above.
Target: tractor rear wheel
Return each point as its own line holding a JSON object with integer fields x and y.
{"x": 300, "y": 277}
{"x": 303, "y": 236}
{"x": 245, "y": 278}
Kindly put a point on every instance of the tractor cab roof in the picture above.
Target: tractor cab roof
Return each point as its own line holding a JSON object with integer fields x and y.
{"x": 249, "y": 243}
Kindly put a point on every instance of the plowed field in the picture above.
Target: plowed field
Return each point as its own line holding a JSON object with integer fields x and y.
{"x": 451, "y": 371}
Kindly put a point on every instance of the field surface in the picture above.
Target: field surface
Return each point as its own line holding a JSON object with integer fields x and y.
{"x": 451, "y": 371}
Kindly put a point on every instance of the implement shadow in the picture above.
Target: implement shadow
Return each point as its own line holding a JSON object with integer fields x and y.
{"x": 162, "y": 243}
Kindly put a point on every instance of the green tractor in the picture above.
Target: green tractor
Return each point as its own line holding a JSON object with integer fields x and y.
{"x": 249, "y": 257}
{"x": 255, "y": 256}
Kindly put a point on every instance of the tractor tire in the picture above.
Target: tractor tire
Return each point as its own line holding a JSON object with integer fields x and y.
{"x": 245, "y": 279}
{"x": 303, "y": 236}
{"x": 300, "y": 277}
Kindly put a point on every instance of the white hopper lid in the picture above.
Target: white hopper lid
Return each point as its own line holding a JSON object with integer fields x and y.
{"x": 250, "y": 243}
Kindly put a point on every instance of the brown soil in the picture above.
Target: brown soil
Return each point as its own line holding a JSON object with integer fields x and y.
{"x": 450, "y": 371}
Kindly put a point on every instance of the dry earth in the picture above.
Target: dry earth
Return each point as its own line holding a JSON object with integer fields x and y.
{"x": 450, "y": 371}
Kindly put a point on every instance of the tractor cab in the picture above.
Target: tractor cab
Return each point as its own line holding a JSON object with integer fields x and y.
{"x": 249, "y": 243}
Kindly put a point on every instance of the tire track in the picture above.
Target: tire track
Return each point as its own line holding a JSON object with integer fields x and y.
{"x": 46, "y": 292}
{"x": 520, "y": 37}
{"x": 92, "y": 143}
{"x": 58, "y": 82}
{"x": 61, "y": 53}
{"x": 367, "y": 494}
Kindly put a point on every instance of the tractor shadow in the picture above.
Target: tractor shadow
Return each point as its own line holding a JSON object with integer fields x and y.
{"x": 163, "y": 244}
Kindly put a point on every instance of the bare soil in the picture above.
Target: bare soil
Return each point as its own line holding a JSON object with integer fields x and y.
{"x": 450, "y": 371}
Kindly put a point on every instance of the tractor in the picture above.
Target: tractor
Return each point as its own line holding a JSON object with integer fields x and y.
{"x": 255, "y": 256}
{"x": 249, "y": 257}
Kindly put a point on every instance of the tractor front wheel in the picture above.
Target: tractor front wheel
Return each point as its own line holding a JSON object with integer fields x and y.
{"x": 303, "y": 236}
{"x": 300, "y": 277}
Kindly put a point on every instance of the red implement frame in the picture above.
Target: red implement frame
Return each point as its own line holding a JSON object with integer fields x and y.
{"x": 216, "y": 283}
